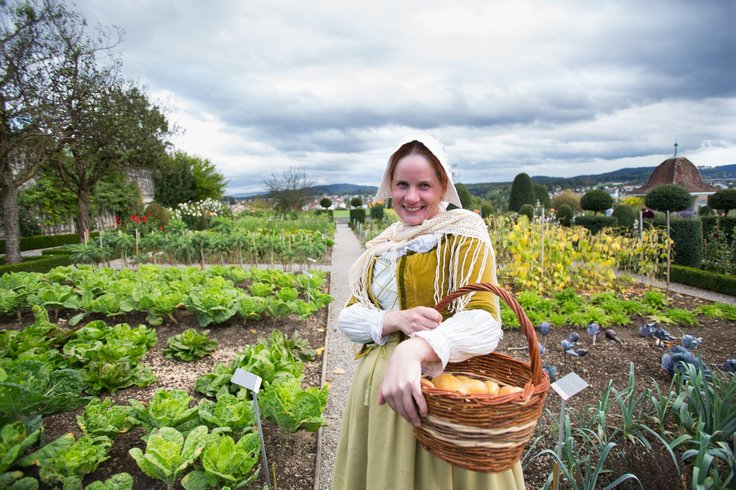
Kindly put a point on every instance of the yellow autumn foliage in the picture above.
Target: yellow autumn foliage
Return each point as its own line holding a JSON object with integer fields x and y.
{"x": 569, "y": 256}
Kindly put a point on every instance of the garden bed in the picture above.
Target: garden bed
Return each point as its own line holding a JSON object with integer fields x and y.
{"x": 291, "y": 456}
{"x": 607, "y": 361}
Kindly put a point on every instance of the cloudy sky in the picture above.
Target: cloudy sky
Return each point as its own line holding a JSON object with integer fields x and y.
{"x": 556, "y": 88}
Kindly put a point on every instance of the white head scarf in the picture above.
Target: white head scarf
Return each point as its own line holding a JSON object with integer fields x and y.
{"x": 438, "y": 150}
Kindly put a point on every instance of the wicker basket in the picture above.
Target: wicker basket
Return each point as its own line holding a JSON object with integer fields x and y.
{"x": 486, "y": 433}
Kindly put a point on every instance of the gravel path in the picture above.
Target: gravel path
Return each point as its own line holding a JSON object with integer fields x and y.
{"x": 339, "y": 365}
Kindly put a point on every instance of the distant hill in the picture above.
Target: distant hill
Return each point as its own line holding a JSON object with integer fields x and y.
{"x": 638, "y": 175}
{"x": 320, "y": 190}
{"x": 340, "y": 189}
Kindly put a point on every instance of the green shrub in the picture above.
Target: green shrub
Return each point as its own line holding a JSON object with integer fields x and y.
{"x": 596, "y": 200}
{"x": 528, "y": 211}
{"x": 357, "y": 215}
{"x": 44, "y": 241}
{"x": 596, "y": 223}
{"x": 158, "y": 214}
{"x": 668, "y": 197}
{"x": 377, "y": 212}
{"x": 720, "y": 283}
{"x": 625, "y": 215}
{"x": 565, "y": 215}
{"x": 724, "y": 200}
{"x": 687, "y": 235}
{"x": 41, "y": 263}
{"x": 486, "y": 210}
{"x": 522, "y": 192}
{"x": 706, "y": 211}
{"x": 725, "y": 224}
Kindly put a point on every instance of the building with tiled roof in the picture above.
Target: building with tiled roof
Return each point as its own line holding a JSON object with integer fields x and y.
{"x": 680, "y": 171}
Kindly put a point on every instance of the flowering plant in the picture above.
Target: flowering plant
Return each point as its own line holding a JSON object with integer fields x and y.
{"x": 198, "y": 215}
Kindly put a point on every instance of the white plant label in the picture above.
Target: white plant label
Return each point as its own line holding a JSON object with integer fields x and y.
{"x": 247, "y": 380}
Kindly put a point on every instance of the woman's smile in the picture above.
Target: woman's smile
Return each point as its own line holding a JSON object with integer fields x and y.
{"x": 416, "y": 190}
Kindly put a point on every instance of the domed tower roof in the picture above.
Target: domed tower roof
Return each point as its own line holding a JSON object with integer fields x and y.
{"x": 679, "y": 171}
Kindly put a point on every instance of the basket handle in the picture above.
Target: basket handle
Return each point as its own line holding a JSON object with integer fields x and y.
{"x": 526, "y": 325}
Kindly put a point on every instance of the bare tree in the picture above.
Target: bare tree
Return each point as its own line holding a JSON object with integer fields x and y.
{"x": 289, "y": 189}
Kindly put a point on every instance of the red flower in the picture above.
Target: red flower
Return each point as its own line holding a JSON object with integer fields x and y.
{"x": 144, "y": 218}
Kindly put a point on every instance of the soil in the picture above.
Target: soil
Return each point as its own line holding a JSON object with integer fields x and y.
{"x": 292, "y": 457}
{"x": 607, "y": 361}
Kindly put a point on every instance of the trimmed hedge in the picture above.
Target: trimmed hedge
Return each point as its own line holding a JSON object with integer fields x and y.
{"x": 357, "y": 215}
{"x": 725, "y": 223}
{"x": 44, "y": 241}
{"x": 596, "y": 223}
{"x": 687, "y": 233}
{"x": 712, "y": 281}
{"x": 40, "y": 263}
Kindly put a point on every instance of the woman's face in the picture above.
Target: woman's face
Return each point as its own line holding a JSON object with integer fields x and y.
{"x": 416, "y": 190}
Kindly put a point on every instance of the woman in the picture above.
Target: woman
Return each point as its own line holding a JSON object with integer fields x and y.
{"x": 403, "y": 273}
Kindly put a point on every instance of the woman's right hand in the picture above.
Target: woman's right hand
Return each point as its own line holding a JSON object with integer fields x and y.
{"x": 411, "y": 321}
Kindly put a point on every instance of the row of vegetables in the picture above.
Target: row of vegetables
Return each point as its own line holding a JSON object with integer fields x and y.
{"x": 213, "y": 295}
{"x": 208, "y": 246}
{"x": 50, "y": 367}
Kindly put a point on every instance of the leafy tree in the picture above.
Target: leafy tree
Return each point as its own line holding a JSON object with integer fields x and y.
{"x": 181, "y": 177}
{"x": 565, "y": 214}
{"x": 724, "y": 200}
{"x": 625, "y": 215}
{"x": 668, "y": 197}
{"x": 30, "y": 37}
{"x": 288, "y": 189}
{"x": 356, "y": 202}
{"x": 209, "y": 182}
{"x": 522, "y": 192}
{"x": 541, "y": 195}
{"x": 466, "y": 199}
{"x": 325, "y": 202}
{"x": 486, "y": 210}
{"x": 173, "y": 180}
{"x": 569, "y": 197}
{"x": 116, "y": 195}
{"x": 49, "y": 198}
{"x": 596, "y": 200}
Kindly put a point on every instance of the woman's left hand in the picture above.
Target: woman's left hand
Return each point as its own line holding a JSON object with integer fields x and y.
{"x": 401, "y": 388}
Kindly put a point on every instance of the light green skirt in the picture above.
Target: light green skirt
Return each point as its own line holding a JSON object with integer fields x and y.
{"x": 377, "y": 449}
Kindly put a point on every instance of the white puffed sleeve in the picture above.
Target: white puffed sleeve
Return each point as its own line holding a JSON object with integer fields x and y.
{"x": 361, "y": 324}
{"x": 464, "y": 335}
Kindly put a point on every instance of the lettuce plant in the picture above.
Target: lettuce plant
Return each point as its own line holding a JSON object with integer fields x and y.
{"x": 229, "y": 412}
{"x": 213, "y": 304}
{"x": 37, "y": 341}
{"x": 15, "y": 438}
{"x": 33, "y": 387}
{"x": 54, "y": 295}
{"x": 209, "y": 384}
{"x": 190, "y": 345}
{"x": 168, "y": 454}
{"x": 118, "y": 481}
{"x": 225, "y": 463}
{"x": 67, "y": 461}
{"x": 104, "y": 418}
{"x": 109, "y": 357}
{"x": 285, "y": 403}
{"x": 167, "y": 408}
